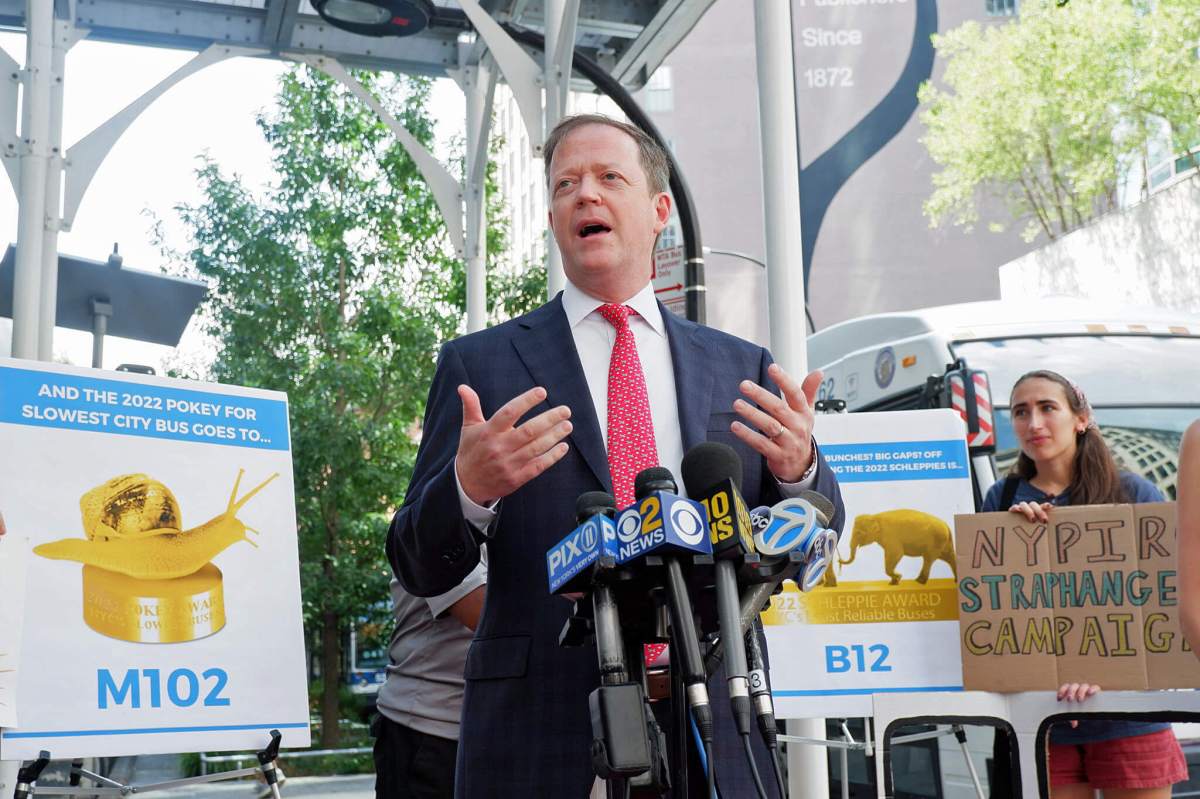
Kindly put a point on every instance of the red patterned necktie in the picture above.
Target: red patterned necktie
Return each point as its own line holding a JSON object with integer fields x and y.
{"x": 631, "y": 446}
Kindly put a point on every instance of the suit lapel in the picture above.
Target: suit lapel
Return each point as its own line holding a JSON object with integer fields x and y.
{"x": 693, "y": 377}
{"x": 546, "y": 347}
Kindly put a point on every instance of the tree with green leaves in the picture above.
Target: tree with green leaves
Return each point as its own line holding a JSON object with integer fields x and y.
{"x": 1049, "y": 112}
{"x": 337, "y": 284}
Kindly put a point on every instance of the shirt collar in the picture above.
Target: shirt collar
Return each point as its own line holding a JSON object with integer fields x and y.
{"x": 577, "y": 305}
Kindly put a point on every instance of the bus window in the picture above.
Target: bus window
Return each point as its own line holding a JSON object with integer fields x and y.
{"x": 1142, "y": 389}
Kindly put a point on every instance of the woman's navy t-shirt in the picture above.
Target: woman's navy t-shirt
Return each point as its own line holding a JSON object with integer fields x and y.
{"x": 1138, "y": 489}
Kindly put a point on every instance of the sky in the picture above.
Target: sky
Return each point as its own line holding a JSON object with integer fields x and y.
{"x": 151, "y": 168}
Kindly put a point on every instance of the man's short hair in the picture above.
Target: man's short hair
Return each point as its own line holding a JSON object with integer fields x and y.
{"x": 655, "y": 162}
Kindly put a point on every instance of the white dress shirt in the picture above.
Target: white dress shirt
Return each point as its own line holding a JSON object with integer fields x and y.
{"x": 594, "y": 338}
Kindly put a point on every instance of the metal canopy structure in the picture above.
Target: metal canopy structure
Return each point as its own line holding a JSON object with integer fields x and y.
{"x": 464, "y": 40}
{"x": 630, "y": 38}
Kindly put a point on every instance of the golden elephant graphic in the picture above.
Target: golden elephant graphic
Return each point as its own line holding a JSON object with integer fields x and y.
{"x": 904, "y": 533}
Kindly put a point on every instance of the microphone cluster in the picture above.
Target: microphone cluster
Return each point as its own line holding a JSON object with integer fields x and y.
{"x": 695, "y": 554}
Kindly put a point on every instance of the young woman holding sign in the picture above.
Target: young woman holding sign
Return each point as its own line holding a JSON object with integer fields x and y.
{"x": 1064, "y": 461}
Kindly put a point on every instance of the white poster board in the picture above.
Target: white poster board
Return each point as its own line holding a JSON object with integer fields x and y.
{"x": 903, "y": 477}
{"x": 162, "y": 613}
{"x": 12, "y": 605}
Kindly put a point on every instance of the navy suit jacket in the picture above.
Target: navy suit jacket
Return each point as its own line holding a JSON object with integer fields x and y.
{"x": 525, "y": 724}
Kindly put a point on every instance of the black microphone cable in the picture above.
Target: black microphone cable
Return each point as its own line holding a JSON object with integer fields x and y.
{"x": 712, "y": 473}
{"x": 685, "y": 642}
{"x": 760, "y": 689}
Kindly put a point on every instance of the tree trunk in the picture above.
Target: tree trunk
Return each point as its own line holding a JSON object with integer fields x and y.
{"x": 331, "y": 679}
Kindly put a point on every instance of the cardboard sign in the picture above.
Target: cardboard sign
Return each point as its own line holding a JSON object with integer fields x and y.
{"x": 163, "y": 604}
{"x": 12, "y": 606}
{"x": 886, "y": 619}
{"x": 1089, "y": 597}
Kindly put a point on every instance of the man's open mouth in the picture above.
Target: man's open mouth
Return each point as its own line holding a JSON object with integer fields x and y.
{"x": 592, "y": 229}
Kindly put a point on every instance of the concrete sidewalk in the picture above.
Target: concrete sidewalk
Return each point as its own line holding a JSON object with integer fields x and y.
{"x": 146, "y": 770}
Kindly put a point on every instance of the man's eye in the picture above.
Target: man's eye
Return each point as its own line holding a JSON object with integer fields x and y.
{"x": 611, "y": 176}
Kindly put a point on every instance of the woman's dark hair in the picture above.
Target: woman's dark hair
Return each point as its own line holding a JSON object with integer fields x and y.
{"x": 1096, "y": 479}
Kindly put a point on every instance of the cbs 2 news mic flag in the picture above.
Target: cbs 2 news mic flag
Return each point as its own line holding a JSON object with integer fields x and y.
{"x": 657, "y": 523}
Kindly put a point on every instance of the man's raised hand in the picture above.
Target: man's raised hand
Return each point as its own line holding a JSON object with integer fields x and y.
{"x": 779, "y": 428}
{"x": 495, "y": 456}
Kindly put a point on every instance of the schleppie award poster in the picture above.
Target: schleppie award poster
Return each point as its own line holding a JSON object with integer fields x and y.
{"x": 162, "y": 609}
{"x": 886, "y": 618}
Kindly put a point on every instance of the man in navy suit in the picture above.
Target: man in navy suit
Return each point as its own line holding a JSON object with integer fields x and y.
{"x": 515, "y": 431}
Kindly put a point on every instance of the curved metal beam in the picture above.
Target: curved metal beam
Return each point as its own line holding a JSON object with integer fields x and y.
{"x": 522, "y": 73}
{"x": 85, "y": 156}
{"x": 446, "y": 190}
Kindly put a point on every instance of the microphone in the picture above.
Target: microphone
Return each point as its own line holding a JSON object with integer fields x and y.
{"x": 664, "y": 522}
{"x": 712, "y": 473}
{"x": 584, "y": 560}
{"x": 660, "y": 522}
{"x": 591, "y": 544}
{"x": 764, "y": 708}
{"x": 794, "y": 540}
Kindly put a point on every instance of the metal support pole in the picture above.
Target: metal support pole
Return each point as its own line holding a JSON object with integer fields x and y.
{"x": 62, "y": 41}
{"x": 101, "y": 311}
{"x": 479, "y": 86}
{"x": 781, "y": 183}
{"x": 848, "y": 738}
{"x": 553, "y": 10}
{"x": 31, "y": 215}
{"x": 808, "y": 768}
{"x": 960, "y": 735}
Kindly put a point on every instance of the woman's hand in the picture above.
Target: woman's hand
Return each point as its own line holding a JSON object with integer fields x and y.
{"x": 1076, "y": 692}
{"x": 1033, "y": 511}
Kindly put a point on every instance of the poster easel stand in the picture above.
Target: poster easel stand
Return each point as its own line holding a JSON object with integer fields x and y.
{"x": 28, "y": 776}
{"x": 848, "y": 743}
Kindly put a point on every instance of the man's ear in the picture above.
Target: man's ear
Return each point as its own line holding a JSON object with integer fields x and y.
{"x": 662, "y": 211}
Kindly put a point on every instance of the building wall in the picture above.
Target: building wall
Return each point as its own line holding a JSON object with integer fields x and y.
{"x": 520, "y": 175}
{"x": 858, "y": 66}
{"x": 1148, "y": 254}
{"x": 874, "y": 250}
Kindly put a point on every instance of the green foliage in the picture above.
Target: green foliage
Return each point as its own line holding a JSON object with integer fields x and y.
{"x": 1045, "y": 112}
{"x": 337, "y": 285}
{"x": 514, "y": 293}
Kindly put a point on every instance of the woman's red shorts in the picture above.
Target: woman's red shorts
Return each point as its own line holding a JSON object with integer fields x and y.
{"x": 1141, "y": 761}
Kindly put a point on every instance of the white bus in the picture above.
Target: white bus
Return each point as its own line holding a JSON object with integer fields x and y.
{"x": 1140, "y": 368}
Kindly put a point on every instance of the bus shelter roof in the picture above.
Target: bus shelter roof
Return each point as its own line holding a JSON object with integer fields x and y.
{"x": 630, "y": 38}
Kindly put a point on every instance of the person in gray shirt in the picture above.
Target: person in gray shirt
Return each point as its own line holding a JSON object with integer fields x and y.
{"x": 416, "y": 731}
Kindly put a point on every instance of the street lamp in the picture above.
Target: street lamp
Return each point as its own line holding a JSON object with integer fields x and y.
{"x": 735, "y": 254}
{"x": 105, "y": 299}
{"x": 377, "y": 17}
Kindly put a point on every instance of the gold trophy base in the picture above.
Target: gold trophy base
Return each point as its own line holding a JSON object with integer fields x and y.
{"x": 154, "y": 611}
